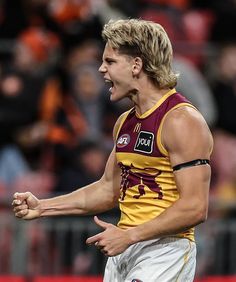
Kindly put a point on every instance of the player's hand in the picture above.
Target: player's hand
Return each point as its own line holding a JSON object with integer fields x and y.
{"x": 112, "y": 241}
{"x": 26, "y": 205}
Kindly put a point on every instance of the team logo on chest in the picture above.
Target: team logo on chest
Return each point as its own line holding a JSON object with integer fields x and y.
{"x": 144, "y": 142}
{"x": 123, "y": 141}
{"x": 137, "y": 127}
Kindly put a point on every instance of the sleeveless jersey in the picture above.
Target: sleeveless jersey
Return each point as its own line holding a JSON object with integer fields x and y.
{"x": 147, "y": 186}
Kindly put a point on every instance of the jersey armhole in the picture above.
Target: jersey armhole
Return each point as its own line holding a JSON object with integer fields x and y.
{"x": 120, "y": 122}
{"x": 160, "y": 146}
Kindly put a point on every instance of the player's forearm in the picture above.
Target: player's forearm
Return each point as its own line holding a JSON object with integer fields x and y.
{"x": 178, "y": 218}
{"x": 84, "y": 201}
{"x": 61, "y": 205}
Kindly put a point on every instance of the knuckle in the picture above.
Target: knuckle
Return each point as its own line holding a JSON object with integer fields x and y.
{"x": 15, "y": 209}
{"x": 22, "y": 212}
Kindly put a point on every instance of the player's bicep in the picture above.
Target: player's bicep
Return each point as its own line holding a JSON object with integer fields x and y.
{"x": 187, "y": 139}
{"x": 112, "y": 172}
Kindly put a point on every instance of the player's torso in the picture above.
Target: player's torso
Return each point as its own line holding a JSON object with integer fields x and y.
{"x": 148, "y": 186}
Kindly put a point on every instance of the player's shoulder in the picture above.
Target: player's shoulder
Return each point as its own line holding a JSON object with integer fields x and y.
{"x": 186, "y": 125}
{"x": 119, "y": 122}
{"x": 185, "y": 115}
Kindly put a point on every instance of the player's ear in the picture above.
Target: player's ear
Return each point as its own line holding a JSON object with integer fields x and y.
{"x": 137, "y": 66}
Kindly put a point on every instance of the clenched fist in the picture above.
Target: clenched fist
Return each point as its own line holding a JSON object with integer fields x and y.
{"x": 26, "y": 205}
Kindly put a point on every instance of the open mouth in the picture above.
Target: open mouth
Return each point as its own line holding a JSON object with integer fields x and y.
{"x": 109, "y": 82}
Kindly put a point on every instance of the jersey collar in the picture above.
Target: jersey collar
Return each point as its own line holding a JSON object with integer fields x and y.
{"x": 163, "y": 98}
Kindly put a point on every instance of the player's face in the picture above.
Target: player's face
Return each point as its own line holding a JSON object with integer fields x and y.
{"x": 117, "y": 70}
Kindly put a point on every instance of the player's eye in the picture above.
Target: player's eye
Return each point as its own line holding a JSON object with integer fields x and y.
{"x": 109, "y": 61}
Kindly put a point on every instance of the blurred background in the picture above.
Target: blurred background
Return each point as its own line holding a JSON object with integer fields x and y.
{"x": 56, "y": 123}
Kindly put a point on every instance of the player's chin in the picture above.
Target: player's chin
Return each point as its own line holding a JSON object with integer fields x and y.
{"x": 117, "y": 96}
{"x": 114, "y": 98}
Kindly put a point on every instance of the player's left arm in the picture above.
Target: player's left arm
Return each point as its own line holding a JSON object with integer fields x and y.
{"x": 186, "y": 137}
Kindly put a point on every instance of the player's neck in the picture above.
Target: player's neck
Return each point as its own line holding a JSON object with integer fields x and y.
{"x": 146, "y": 97}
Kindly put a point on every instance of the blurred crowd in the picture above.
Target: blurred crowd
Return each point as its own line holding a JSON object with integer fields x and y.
{"x": 56, "y": 118}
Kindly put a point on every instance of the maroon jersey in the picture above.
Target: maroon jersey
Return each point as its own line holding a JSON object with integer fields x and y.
{"x": 148, "y": 186}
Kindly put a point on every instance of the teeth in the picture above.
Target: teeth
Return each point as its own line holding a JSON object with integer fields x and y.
{"x": 108, "y": 81}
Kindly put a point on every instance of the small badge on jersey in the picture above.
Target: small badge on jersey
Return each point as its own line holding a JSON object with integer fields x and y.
{"x": 123, "y": 141}
{"x": 136, "y": 280}
{"x": 144, "y": 142}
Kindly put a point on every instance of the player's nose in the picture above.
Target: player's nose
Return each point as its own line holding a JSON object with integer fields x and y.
{"x": 102, "y": 68}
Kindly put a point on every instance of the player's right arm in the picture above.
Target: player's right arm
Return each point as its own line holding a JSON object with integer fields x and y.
{"x": 91, "y": 199}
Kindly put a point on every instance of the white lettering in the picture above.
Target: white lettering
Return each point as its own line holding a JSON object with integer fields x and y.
{"x": 143, "y": 141}
{"x": 123, "y": 140}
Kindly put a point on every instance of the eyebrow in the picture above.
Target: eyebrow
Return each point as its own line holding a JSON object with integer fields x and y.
{"x": 109, "y": 59}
